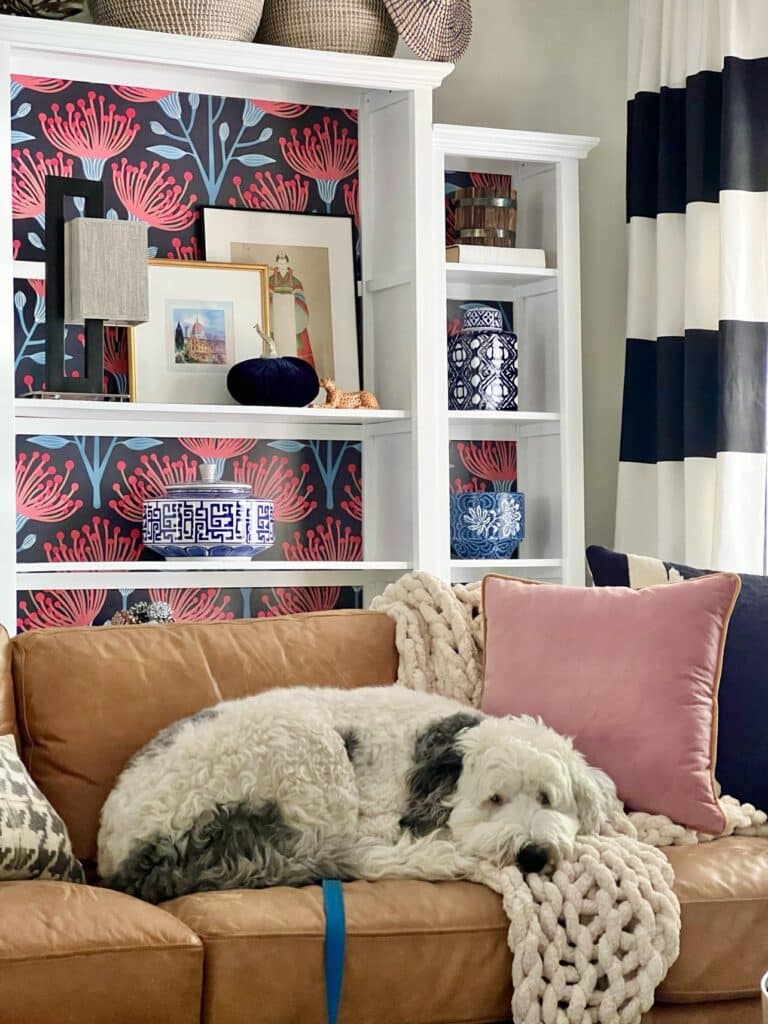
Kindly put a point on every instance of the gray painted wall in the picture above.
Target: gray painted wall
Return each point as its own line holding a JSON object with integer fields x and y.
{"x": 560, "y": 66}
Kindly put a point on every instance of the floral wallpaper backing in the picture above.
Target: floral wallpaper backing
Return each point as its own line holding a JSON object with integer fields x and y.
{"x": 160, "y": 155}
{"x": 29, "y": 344}
{"x": 483, "y": 466}
{"x": 55, "y": 608}
{"x": 79, "y": 499}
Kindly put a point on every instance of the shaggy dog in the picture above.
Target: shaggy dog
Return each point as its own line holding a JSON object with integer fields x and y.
{"x": 295, "y": 785}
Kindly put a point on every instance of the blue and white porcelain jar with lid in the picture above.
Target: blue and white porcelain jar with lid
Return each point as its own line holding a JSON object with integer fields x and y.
{"x": 482, "y": 363}
{"x": 208, "y": 518}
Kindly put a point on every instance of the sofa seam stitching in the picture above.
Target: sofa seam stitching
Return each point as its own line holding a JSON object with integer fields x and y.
{"x": 98, "y": 950}
{"x": 719, "y": 995}
{"x": 318, "y": 935}
{"x": 734, "y": 902}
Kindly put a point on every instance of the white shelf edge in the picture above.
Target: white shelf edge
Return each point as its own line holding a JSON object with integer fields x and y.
{"x": 61, "y": 569}
{"x": 500, "y": 268}
{"x": 484, "y": 416}
{"x": 252, "y": 60}
{"x": 27, "y": 270}
{"x": 138, "y": 412}
{"x": 524, "y": 280}
{"x": 506, "y": 563}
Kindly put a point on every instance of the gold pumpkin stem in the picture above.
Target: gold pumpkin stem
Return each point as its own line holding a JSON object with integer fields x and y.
{"x": 269, "y": 348}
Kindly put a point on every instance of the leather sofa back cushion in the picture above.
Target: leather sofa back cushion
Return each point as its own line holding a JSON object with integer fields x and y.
{"x": 88, "y": 699}
{"x": 7, "y": 705}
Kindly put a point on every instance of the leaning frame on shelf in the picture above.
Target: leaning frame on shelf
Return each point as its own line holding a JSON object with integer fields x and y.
{"x": 547, "y": 312}
{"x": 394, "y": 103}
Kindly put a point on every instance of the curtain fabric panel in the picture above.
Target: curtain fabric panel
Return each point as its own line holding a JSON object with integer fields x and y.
{"x": 692, "y": 471}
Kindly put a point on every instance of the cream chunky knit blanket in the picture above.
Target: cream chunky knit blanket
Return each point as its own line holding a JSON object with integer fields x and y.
{"x": 591, "y": 943}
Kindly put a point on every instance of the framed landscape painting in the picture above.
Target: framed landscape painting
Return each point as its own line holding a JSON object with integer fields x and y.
{"x": 203, "y": 320}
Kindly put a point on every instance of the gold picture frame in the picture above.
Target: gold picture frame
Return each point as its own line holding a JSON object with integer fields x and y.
{"x": 198, "y": 329}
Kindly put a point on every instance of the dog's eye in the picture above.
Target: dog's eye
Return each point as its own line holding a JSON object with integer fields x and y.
{"x": 496, "y": 799}
{"x": 544, "y": 799}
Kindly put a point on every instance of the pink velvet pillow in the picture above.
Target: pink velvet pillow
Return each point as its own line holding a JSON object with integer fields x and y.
{"x": 631, "y": 675}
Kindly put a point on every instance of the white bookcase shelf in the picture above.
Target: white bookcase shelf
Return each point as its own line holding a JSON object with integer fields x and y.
{"x": 371, "y": 576}
{"x": 89, "y": 418}
{"x": 481, "y": 416}
{"x": 470, "y": 275}
{"x": 62, "y": 569}
{"x": 547, "y": 322}
{"x": 404, "y": 444}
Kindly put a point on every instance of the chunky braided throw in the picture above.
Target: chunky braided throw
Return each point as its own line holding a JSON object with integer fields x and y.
{"x": 439, "y": 635}
{"x": 591, "y": 943}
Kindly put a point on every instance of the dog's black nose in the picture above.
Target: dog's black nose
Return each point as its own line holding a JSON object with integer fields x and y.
{"x": 532, "y": 858}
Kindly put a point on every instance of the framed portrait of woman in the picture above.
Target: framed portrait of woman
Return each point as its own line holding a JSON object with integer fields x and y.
{"x": 311, "y": 281}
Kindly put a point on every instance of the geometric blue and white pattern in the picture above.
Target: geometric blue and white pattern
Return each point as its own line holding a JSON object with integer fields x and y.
{"x": 178, "y": 527}
{"x": 482, "y": 363}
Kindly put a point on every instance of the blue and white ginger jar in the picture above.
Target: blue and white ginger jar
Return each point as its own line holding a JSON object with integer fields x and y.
{"x": 482, "y": 363}
{"x": 487, "y": 524}
{"x": 208, "y": 519}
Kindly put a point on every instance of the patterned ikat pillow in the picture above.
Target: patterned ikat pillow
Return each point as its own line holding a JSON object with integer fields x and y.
{"x": 33, "y": 839}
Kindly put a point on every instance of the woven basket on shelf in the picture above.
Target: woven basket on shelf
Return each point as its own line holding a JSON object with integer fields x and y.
{"x": 348, "y": 26}
{"x": 56, "y": 9}
{"x": 216, "y": 19}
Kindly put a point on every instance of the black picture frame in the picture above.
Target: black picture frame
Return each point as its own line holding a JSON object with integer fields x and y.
{"x": 57, "y": 190}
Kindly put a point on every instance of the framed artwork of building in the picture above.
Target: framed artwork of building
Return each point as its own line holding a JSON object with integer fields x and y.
{"x": 203, "y": 320}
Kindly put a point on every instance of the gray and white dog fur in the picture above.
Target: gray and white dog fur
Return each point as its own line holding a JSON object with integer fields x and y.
{"x": 294, "y": 785}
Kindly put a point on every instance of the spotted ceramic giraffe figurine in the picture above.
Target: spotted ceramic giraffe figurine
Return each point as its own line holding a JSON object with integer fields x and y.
{"x": 336, "y": 399}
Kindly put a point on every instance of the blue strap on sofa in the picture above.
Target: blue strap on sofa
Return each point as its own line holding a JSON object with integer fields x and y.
{"x": 335, "y": 935}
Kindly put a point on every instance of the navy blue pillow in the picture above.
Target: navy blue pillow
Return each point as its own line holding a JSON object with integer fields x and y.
{"x": 742, "y": 739}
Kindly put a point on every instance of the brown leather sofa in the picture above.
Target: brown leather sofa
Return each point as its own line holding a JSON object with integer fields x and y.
{"x": 82, "y": 701}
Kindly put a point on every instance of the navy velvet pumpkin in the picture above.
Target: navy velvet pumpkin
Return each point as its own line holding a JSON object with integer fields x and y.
{"x": 278, "y": 380}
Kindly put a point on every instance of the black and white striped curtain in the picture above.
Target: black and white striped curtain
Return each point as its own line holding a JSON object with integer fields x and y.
{"x": 692, "y": 472}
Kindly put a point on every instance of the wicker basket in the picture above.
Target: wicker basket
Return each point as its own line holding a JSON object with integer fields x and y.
{"x": 55, "y": 9}
{"x": 216, "y": 19}
{"x": 348, "y": 26}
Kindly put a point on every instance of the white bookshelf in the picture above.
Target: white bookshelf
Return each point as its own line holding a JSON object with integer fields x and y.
{"x": 547, "y": 321}
{"x": 463, "y": 275}
{"x": 33, "y": 415}
{"x": 406, "y": 281}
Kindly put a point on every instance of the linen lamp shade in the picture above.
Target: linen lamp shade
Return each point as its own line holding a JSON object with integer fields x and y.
{"x": 106, "y": 275}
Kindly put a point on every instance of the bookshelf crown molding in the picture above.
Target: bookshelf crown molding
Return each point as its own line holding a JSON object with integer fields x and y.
{"x": 278, "y": 63}
{"x": 498, "y": 143}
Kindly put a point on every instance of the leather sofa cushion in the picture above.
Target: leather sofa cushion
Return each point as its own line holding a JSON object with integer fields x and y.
{"x": 70, "y": 954}
{"x": 723, "y": 891}
{"x": 433, "y": 953}
{"x": 7, "y": 703}
{"x": 88, "y": 699}
{"x": 734, "y": 1011}
{"x": 417, "y": 953}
